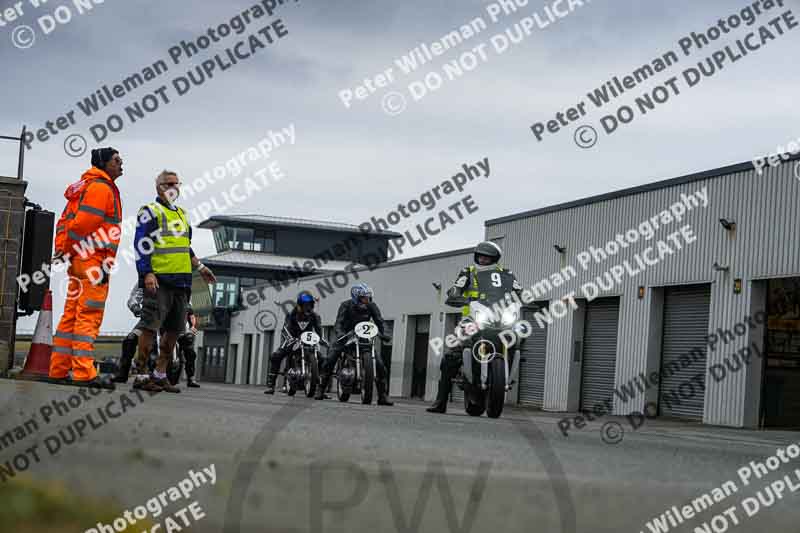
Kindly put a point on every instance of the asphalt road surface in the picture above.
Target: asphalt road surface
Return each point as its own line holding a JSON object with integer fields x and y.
{"x": 294, "y": 465}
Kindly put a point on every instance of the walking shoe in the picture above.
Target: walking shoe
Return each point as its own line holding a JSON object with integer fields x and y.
{"x": 165, "y": 385}
{"x": 438, "y": 407}
{"x": 192, "y": 383}
{"x": 385, "y": 401}
{"x": 100, "y": 382}
{"x": 270, "y": 390}
{"x": 147, "y": 385}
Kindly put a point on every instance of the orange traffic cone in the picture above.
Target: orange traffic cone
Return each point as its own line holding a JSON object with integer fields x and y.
{"x": 37, "y": 364}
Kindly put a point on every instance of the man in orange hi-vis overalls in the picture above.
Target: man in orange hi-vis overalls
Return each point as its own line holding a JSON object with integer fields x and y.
{"x": 87, "y": 237}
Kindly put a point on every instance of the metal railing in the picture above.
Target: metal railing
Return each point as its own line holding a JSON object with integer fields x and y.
{"x": 21, "y": 160}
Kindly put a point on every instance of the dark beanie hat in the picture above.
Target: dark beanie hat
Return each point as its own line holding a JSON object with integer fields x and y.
{"x": 101, "y": 156}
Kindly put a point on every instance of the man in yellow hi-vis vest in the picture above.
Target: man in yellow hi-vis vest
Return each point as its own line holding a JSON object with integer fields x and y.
{"x": 470, "y": 285}
{"x": 164, "y": 261}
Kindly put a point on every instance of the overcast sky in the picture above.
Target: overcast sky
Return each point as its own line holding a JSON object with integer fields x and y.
{"x": 350, "y": 164}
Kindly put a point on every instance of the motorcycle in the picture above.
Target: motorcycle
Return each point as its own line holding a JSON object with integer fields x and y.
{"x": 302, "y": 368}
{"x": 485, "y": 376}
{"x": 356, "y": 369}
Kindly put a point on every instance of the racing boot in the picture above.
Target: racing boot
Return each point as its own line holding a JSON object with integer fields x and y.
{"x": 440, "y": 405}
{"x": 383, "y": 394}
{"x": 271, "y": 383}
{"x": 322, "y": 386}
{"x": 129, "y": 347}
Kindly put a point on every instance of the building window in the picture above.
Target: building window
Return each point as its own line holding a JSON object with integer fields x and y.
{"x": 225, "y": 292}
{"x": 246, "y": 239}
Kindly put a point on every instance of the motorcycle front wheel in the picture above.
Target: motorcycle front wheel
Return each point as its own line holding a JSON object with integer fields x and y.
{"x": 174, "y": 371}
{"x": 313, "y": 377}
{"x": 342, "y": 391}
{"x": 496, "y": 395}
{"x": 474, "y": 403}
{"x": 368, "y": 378}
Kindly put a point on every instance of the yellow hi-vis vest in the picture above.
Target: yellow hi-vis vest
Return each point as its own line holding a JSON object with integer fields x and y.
{"x": 474, "y": 292}
{"x": 171, "y": 246}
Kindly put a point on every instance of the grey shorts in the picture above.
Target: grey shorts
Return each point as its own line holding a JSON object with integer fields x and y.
{"x": 166, "y": 309}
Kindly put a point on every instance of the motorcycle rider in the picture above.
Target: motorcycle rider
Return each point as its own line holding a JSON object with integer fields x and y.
{"x": 186, "y": 345}
{"x": 359, "y": 308}
{"x": 301, "y": 319}
{"x": 469, "y": 286}
{"x": 131, "y": 342}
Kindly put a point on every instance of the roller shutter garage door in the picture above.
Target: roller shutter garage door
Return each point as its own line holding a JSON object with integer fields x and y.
{"x": 686, "y": 315}
{"x": 531, "y": 366}
{"x": 599, "y": 351}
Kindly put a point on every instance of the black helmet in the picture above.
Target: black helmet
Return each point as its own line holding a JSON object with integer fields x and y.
{"x": 489, "y": 249}
{"x": 305, "y": 302}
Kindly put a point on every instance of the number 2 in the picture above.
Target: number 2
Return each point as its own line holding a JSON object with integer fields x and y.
{"x": 496, "y": 281}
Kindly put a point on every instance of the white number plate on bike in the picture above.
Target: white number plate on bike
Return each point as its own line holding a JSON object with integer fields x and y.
{"x": 310, "y": 338}
{"x": 366, "y": 330}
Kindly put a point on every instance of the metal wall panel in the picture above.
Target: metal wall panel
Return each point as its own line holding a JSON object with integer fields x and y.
{"x": 599, "y": 360}
{"x": 762, "y": 246}
{"x": 532, "y": 366}
{"x": 686, "y": 314}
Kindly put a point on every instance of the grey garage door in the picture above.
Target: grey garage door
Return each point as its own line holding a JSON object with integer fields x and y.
{"x": 686, "y": 312}
{"x": 531, "y": 365}
{"x": 599, "y": 351}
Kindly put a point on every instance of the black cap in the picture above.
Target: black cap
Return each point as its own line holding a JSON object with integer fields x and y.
{"x": 101, "y": 156}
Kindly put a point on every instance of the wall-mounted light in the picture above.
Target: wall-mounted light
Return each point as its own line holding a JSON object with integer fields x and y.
{"x": 641, "y": 292}
{"x": 729, "y": 225}
{"x": 720, "y": 268}
{"x": 737, "y": 286}
{"x": 560, "y": 249}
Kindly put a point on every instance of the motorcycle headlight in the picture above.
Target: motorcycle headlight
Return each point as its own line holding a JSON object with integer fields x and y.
{"x": 482, "y": 318}
{"x": 510, "y": 315}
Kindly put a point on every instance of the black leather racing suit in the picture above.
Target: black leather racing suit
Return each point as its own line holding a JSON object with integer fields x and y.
{"x": 348, "y": 316}
{"x": 293, "y": 327}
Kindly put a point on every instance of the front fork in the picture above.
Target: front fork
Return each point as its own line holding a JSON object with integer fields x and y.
{"x": 358, "y": 362}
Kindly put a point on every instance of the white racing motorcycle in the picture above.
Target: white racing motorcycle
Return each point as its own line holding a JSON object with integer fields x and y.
{"x": 302, "y": 368}
{"x": 355, "y": 369}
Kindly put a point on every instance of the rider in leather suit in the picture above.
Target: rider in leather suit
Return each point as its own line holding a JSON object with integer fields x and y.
{"x": 359, "y": 308}
{"x": 467, "y": 288}
{"x": 301, "y": 319}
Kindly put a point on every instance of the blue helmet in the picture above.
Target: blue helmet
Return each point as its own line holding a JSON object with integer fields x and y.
{"x": 360, "y": 290}
{"x": 305, "y": 302}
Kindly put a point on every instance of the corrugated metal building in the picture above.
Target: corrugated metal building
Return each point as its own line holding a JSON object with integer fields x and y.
{"x": 630, "y": 300}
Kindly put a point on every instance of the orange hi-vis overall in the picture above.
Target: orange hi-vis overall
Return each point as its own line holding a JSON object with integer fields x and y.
{"x": 88, "y": 232}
